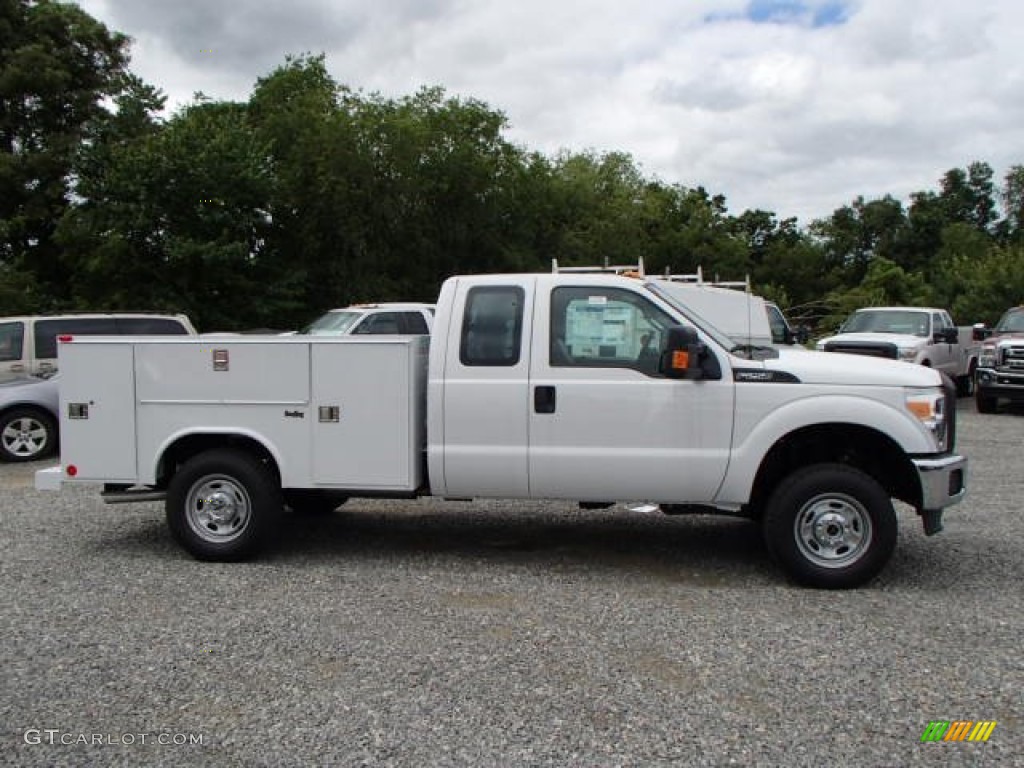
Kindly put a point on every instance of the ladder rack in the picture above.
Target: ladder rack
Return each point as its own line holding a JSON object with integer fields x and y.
{"x": 697, "y": 278}
{"x": 627, "y": 270}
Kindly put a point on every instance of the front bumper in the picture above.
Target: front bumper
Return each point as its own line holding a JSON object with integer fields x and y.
{"x": 998, "y": 383}
{"x": 943, "y": 483}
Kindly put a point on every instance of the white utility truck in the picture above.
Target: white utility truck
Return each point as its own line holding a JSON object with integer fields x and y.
{"x": 597, "y": 388}
{"x": 919, "y": 335}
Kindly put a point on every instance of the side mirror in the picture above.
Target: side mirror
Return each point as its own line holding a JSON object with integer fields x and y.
{"x": 683, "y": 352}
{"x": 979, "y": 332}
{"x": 801, "y": 334}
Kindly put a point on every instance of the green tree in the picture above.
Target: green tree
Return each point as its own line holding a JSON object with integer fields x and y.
{"x": 176, "y": 220}
{"x": 57, "y": 65}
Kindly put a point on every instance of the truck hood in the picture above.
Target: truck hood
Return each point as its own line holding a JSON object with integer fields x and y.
{"x": 899, "y": 339}
{"x": 839, "y": 369}
{"x": 1010, "y": 336}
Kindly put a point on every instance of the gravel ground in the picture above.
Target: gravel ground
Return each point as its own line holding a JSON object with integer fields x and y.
{"x": 506, "y": 634}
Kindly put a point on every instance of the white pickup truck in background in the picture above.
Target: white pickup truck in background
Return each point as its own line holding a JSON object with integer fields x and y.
{"x": 919, "y": 335}
{"x": 597, "y": 388}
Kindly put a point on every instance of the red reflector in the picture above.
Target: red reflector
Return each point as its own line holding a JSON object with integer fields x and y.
{"x": 65, "y": 338}
{"x": 72, "y": 470}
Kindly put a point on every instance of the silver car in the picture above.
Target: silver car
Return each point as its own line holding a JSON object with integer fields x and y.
{"x": 28, "y": 418}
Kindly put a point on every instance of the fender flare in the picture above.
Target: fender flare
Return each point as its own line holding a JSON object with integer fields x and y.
{"x": 799, "y": 413}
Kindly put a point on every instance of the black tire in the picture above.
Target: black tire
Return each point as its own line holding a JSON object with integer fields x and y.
{"x": 310, "y": 501}
{"x": 27, "y": 434}
{"x": 985, "y": 403}
{"x": 965, "y": 385}
{"x": 830, "y": 526}
{"x": 223, "y": 505}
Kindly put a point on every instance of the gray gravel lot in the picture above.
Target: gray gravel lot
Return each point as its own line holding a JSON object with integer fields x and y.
{"x": 506, "y": 634}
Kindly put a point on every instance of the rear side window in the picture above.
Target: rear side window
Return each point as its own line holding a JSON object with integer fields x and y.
{"x": 415, "y": 324}
{"x": 12, "y": 341}
{"x": 382, "y": 323}
{"x": 492, "y": 326}
{"x": 150, "y": 326}
{"x": 47, "y": 331}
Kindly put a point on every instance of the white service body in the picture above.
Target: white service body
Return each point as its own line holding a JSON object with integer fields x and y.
{"x": 143, "y": 395}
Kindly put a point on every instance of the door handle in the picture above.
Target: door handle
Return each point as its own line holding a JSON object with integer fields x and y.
{"x": 544, "y": 399}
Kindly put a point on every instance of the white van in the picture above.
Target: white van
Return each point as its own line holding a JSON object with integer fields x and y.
{"x": 28, "y": 344}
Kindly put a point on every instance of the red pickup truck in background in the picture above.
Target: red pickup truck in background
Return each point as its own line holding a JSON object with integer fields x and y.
{"x": 1000, "y": 372}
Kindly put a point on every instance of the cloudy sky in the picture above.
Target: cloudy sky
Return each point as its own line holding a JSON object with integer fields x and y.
{"x": 792, "y": 106}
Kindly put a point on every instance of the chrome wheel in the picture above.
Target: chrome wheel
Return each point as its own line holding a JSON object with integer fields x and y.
{"x": 25, "y": 437}
{"x": 833, "y": 530}
{"x": 217, "y": 508}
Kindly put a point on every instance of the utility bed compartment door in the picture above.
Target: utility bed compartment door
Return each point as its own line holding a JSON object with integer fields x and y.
{"x": 368, "y": 412}
{"x": 97, "y": 409}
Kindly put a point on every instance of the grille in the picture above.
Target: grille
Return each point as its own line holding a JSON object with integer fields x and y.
{"x": 1013, "y": 357}
{"x": 890, "y": 351}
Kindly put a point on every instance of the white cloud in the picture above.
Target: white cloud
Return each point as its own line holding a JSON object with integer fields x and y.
{"x": 789, "y": 106}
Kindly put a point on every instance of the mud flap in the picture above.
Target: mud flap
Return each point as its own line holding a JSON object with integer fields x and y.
{"x": 932, "y": 520}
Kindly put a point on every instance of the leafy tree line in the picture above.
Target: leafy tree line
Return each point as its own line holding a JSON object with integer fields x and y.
{"x": 311, "y": 195}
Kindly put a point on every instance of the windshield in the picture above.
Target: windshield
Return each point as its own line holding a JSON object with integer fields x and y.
{"x": 332, "y": 324}
{"x": 1011, "y": 322}
{"x": 887, "y": 321}
{"x": 677, "y": 297}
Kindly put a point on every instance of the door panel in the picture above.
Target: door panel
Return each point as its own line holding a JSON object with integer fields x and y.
{"x": 486, "y": 390}
{"x": 618, "y": 429}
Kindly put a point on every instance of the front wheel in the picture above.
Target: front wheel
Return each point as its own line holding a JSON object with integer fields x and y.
{"x": 223, "y": 505}
{"x": 830, "y": 526}
{"x": 985, "y": 403}
{"x": 966, "y": 384}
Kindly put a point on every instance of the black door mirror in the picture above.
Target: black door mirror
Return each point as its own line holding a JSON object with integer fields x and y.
{"x": 683, "y": 352}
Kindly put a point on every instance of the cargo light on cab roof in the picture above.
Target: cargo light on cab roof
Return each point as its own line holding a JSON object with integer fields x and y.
{"x": 64, "y": 338}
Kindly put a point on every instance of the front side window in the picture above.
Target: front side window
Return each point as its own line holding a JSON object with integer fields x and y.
{"x": 12, "y": 341}
{"x": 606, "y": 328}
{"x": 492, "y": 326}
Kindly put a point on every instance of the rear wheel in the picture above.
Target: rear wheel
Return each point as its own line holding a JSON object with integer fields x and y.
{"x": 830, "y": 526}
{"x": 223, "y": 505}
{"x": 27, "y": 434}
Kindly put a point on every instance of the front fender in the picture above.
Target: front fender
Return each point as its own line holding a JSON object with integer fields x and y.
{"x": 754, "y": 438}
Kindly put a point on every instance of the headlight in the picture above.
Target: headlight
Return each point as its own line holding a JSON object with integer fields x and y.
{"x": 908, "y": 353}
{"x": 929, "y": 406}
{"x": 987, "y": 357}
{"x": 820, "y": 346}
